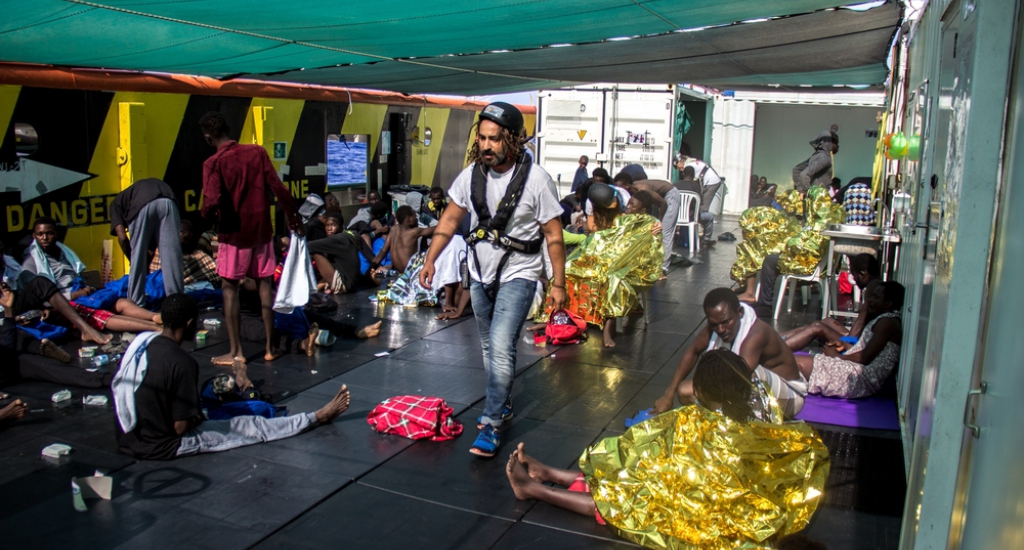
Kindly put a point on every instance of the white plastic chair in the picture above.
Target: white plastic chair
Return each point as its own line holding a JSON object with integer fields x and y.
{"x": 688, "y": 205}
{"x": 812, "y": 278}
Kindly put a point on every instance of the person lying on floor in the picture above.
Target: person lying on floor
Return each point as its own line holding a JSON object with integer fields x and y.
{"x": 337, "y": 257}
{"x": 14, "y": 342}
{"x": 157, "y": 401}
{"x": 303, "y": 329}
{"x": 748, "y": 463}
{"x": 735, "y": 326}
{"x": 48, "y": 258}
{"x": 403, "y": 240}
{"x": 860, "y": 370}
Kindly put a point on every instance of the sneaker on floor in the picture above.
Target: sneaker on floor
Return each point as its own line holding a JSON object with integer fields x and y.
{"x": 506, "y": 415}
{"x": 487, "y": 442}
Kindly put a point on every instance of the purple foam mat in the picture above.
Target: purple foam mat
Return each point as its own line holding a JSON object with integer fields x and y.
{"x": 876, "y": 413}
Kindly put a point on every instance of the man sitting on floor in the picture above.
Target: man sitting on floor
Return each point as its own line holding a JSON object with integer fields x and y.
{"x": 734, "y": 326}
{"x": 199, "y": 266}
{"x": 404, "y": 239}
{"x": 51, "y": 259}
{"x": 157, "y": 401}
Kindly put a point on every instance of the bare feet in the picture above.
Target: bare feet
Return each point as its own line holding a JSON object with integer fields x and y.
{"x": 314, "y": 330}
{"x": 369, "y": 331}
{"x": 609, "y": 333}
{"x": 747, "y": 297}
{"x": 335, "y": 407}
{"x": 226, "y": 360}
{"x": 521, "y": 482}
{"x": 448, "y": 316}
{"x": 272, "y": 354}
{"x": 13, "y": 411}
{"x": 537, "y": 470}
{"x": 51, "y": 350}
{"x": 537, "y": 327}
{"x": 90, "y": 334}
{"x": 241, "y": 372}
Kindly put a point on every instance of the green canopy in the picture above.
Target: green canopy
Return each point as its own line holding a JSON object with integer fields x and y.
{"x": 448, "y": 47}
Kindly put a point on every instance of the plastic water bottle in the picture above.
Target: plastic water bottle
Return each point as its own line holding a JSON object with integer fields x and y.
{"x": 105, "y": 359}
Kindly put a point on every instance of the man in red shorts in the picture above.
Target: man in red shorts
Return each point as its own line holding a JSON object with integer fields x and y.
{"x": 237, "y": 182}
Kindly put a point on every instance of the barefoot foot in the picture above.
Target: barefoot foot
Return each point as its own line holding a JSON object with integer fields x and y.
{"x": 272, "y": 354}
{"x": 90, "y": 334}
{"x": 747, "y": 297}
{"x": 314, "y": 331}
{"x": 609, "y": 333}
{"x": 227, "y": 360}
{"x": 369, "y": 331}
{"x": 51, "y": 350}
{"x": 521, "y": 482}
{"x": 13, "y": 411}
{"x": 335, "y": 407}
{"x": 241, "y": 372}
{"x": 536, "y": 469}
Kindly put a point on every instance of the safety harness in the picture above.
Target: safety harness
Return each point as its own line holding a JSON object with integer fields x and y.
{"x": 492, "y": 228}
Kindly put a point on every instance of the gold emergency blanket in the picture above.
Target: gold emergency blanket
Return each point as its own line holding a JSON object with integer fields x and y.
{"x": 694, "y": 479}
{"x": 765, "y": 231}
{"x": 791, "y": 202}
{"x": 804, "y": 250}
{"x": 604, "y": 274}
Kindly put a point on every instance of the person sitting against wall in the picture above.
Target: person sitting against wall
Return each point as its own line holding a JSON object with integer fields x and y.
{"x": 53, "y": 260}
{"x": 733, "y": 438}
{"x": 436, "y": 203}
{"x": 860, "y": 370}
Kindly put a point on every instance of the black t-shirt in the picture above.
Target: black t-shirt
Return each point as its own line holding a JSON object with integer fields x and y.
{"x": 169, "y": 393}
{"x": 127, "y": 204}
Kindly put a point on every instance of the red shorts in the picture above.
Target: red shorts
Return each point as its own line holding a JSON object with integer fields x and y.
{"x": 238, "y": 263}
{"x": 97, "y": 318}
{"x": 580, "y": 486}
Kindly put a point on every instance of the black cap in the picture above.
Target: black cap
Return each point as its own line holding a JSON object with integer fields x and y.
{"x": 601, "y": 195}
{"x": 505, "y": 115}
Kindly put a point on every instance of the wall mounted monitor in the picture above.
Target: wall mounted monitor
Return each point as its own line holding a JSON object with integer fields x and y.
{"x": 348, "y": 160}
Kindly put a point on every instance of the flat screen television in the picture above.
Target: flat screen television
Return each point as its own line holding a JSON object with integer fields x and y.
{"x": 348, "y": 160}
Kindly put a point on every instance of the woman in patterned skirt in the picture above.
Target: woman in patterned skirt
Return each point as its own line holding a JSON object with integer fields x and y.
{"x": 860, "y": 370}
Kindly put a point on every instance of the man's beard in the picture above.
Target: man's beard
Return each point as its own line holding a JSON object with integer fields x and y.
{"x": 497, "y": 160}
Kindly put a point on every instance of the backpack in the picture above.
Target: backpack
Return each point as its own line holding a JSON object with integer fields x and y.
{"x": 565, "y": 327}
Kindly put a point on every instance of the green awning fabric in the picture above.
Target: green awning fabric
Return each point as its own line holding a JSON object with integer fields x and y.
{"x": 443, "y": 47}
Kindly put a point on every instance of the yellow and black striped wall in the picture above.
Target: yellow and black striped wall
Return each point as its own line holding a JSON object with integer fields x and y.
{"x": 112, "y": 138}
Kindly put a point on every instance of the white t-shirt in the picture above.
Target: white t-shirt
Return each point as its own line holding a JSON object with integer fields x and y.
{"x": 710, "y": 177}
{"x": 538, "y": 206}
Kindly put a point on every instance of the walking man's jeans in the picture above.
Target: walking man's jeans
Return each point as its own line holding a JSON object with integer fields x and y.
{"x": 707, "y": 221}
{"x": 213, "y": 436}
{"x": 499, "y": 323}
{"x": 157, "y": 223}
{"x": 668, "y": 224}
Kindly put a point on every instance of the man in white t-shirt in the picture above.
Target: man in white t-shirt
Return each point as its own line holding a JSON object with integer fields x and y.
{"x": 709, "y": 181}
{"x": 505, "y": 259}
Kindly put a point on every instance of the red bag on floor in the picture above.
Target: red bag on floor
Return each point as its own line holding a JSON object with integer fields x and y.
{"x": 415, "y": 417}
{"x": 565, "y": 327}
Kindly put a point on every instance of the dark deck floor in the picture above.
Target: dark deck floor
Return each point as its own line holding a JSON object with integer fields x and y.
{"x": 344, "y": 486}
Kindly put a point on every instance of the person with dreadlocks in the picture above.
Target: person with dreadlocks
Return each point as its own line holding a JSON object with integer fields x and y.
{"x": 723, "y": 473}
{"x": 513, "y": 208}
